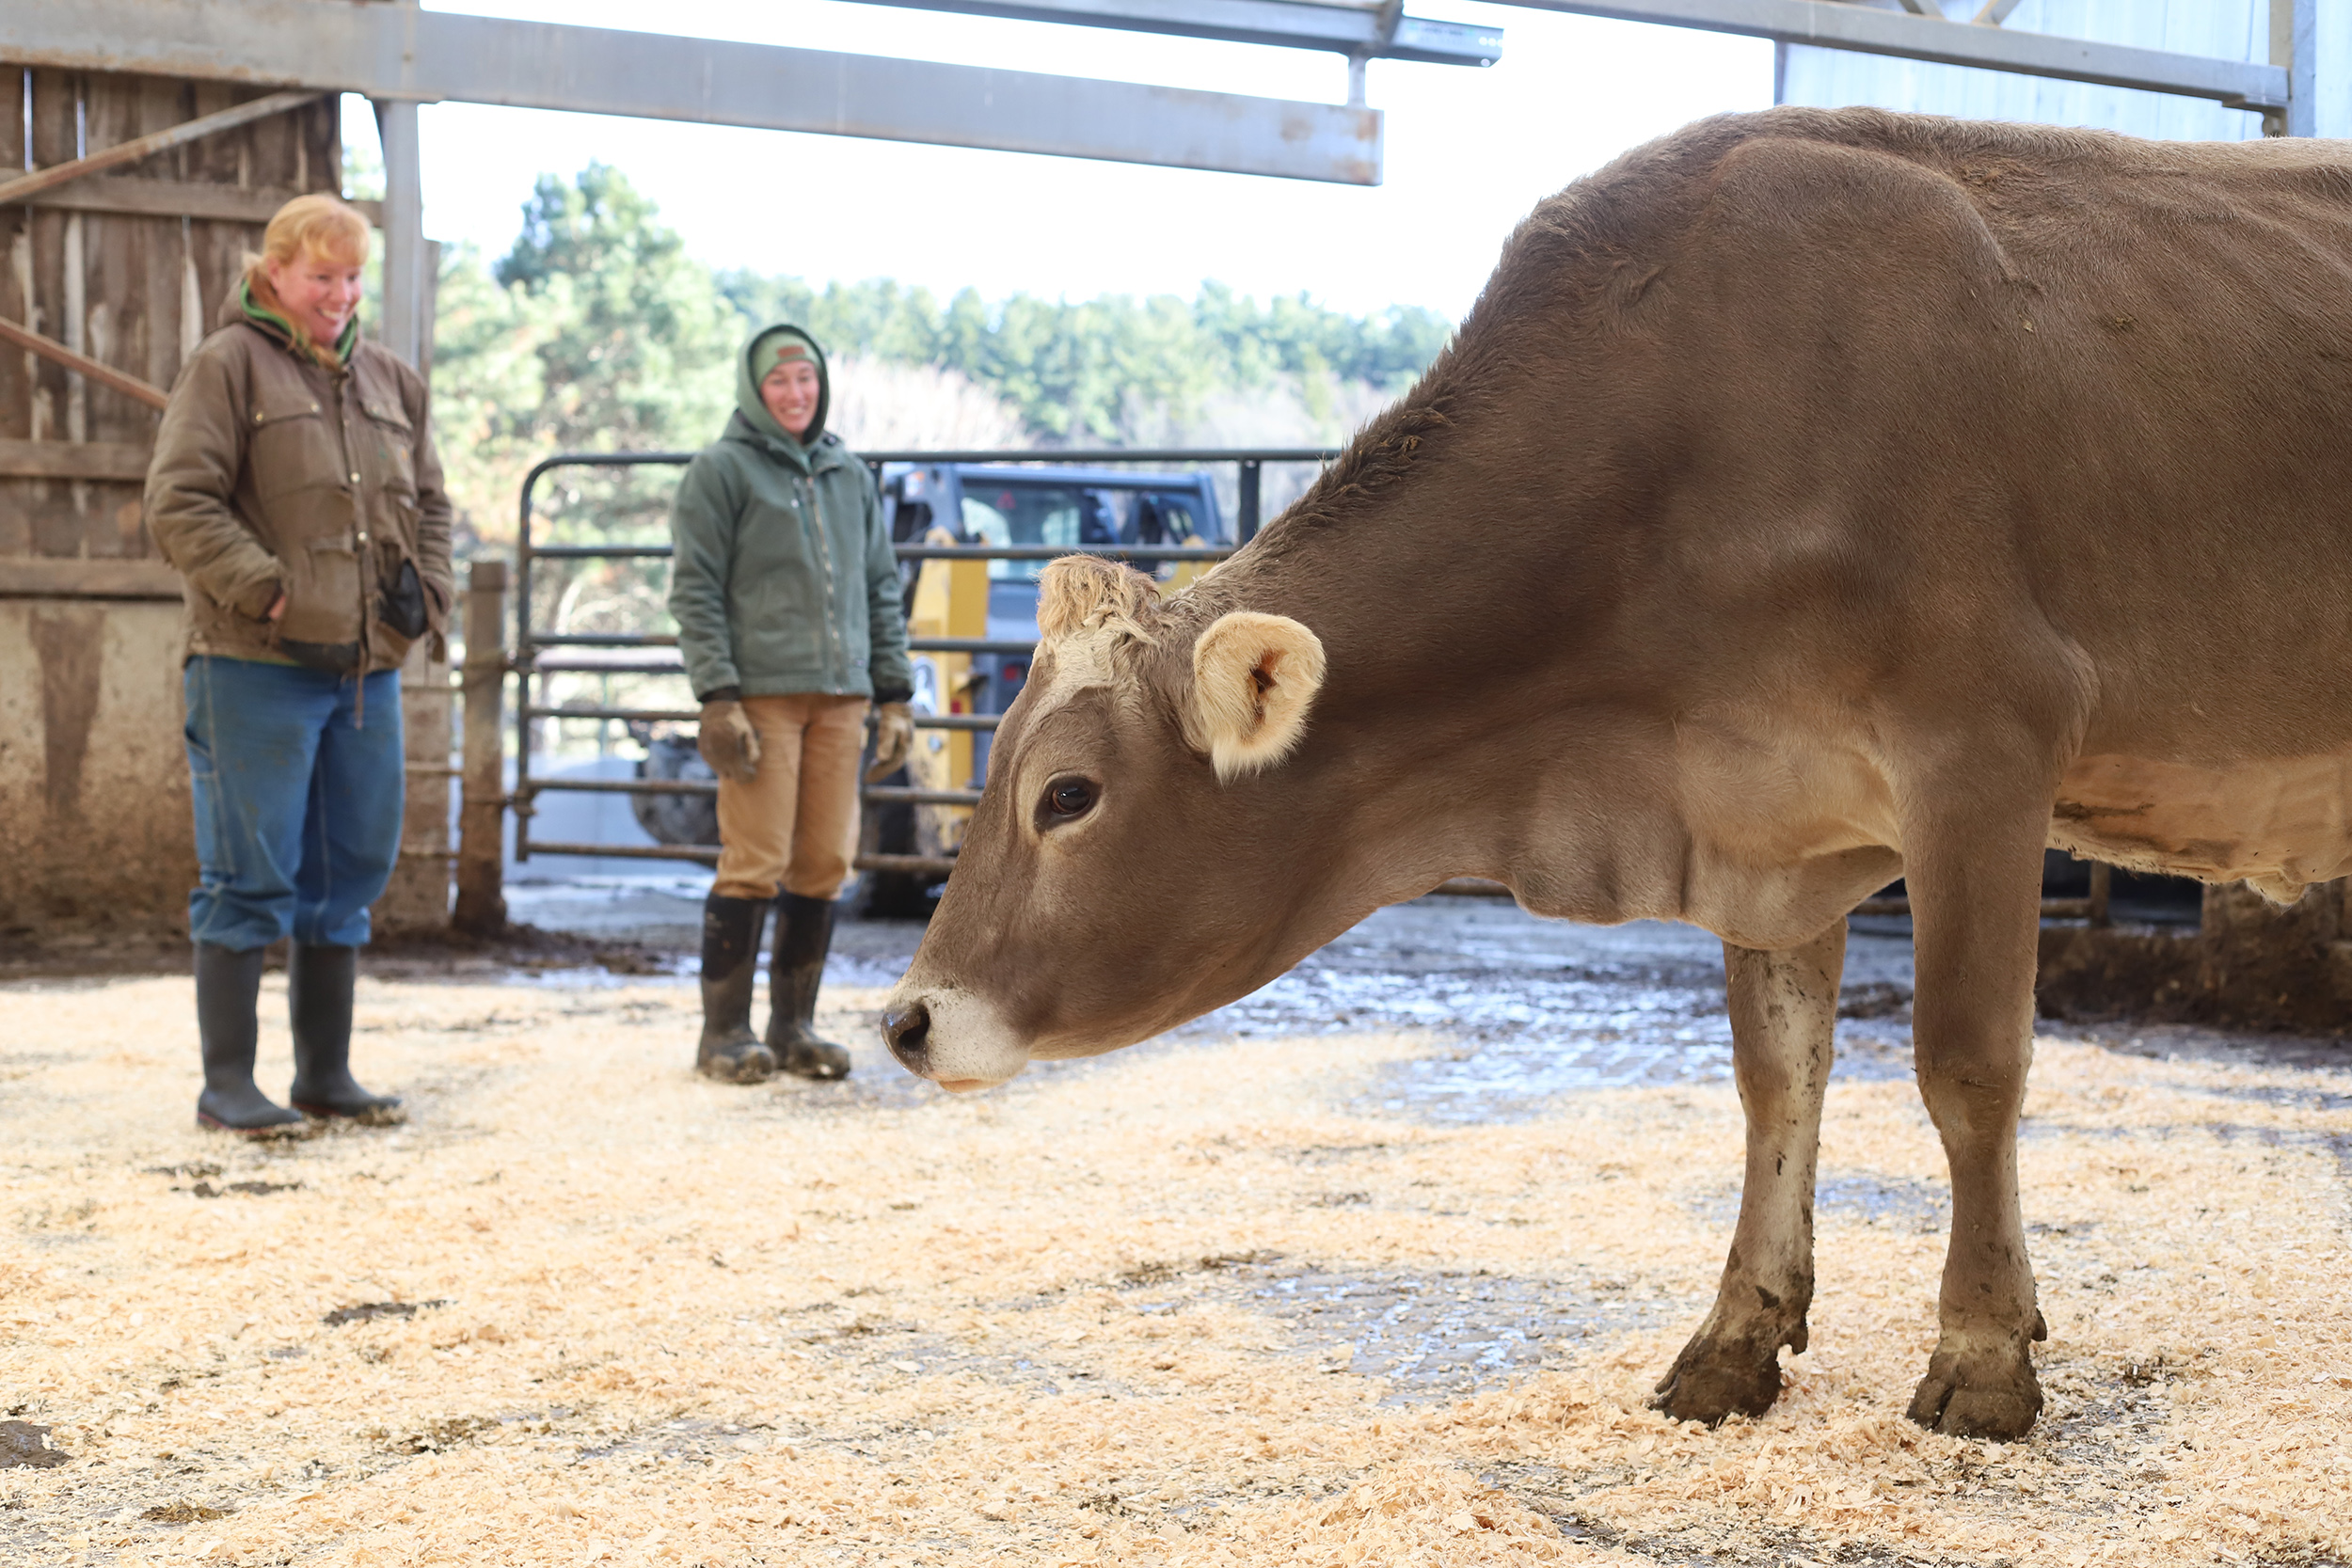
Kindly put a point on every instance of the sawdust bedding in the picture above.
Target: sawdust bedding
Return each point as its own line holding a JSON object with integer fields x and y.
{"x": 587, "y": 1308}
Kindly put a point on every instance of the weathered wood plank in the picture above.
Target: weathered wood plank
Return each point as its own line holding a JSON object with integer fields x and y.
{"x": 85, "y": 366}
{"x": 32, "y": 578}
{"x": 125, "y": 461}
{"x": 130, "y": 269}
{"x": 137, "y": 148}
{"x": 133, "y": 195}
{"x": 16, "y": 371}
{"x": 54, "y": 519}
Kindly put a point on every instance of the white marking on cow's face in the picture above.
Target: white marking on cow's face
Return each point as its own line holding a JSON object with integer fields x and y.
{"x": 971, "y": 1047}
{"x": 1079, "y": 659}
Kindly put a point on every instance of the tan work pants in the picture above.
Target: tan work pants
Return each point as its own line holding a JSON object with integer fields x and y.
{"x": 796, "y": 822}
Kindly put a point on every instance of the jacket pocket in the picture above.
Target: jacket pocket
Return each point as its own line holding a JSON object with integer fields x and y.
{"x": 292, "y": 449}
{"x": 322, "y": 623}
{"x": 395, "y": 441}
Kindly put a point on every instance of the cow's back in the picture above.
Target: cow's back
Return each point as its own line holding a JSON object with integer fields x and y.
{"x": 2011, "y": 371}
{"x": 1834, "y": 420}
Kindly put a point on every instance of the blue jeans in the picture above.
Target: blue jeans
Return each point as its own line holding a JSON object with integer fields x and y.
{"x": 298, "y": 795}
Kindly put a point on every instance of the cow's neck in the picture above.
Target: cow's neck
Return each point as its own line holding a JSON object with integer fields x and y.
{"x": 1447, "y": 732}
{"x": 1529, "y": 711}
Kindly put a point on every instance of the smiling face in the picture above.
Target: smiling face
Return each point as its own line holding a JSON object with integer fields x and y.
{"x": 320, "y": 292}
{"x": 791, "y": 391}
{"x": 1132, "y": 862}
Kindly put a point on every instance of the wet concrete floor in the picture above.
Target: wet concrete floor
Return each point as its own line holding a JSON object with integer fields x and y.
{"x": 1528, "y": 1010}
{"x": 1523, "y": 1012}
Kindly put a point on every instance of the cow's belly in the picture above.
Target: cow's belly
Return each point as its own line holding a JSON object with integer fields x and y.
{"x": 2280, "y": 824}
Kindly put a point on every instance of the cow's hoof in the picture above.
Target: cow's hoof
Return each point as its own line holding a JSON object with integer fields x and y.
{"x": 1991, "y": 1395}
{"x": 1713, "y": 1378}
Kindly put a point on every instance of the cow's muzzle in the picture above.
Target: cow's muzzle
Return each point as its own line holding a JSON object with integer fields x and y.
{"x": 952, "y": 1037}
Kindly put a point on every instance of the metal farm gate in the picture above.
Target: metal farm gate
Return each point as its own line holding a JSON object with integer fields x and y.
{"x": 541, "y": 651}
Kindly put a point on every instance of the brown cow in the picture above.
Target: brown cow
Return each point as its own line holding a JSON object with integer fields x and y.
{"x": 1810, "y": 498}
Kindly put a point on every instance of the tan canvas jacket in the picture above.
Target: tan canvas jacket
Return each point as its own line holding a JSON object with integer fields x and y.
{"x": 272, "y": 471}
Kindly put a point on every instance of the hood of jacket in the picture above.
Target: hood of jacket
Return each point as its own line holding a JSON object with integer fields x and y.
{"x": 753, "y": 413}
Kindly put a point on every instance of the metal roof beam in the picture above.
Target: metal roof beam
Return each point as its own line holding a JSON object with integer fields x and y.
{"x": 1367, "y": 31}
{"x": 399, "y": 51}
{"x": 1833, "y": 24}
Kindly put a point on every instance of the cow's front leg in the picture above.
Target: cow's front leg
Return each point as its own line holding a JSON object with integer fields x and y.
{"x": 1784, "y": 1011}
{"x": 1976, "y": 901}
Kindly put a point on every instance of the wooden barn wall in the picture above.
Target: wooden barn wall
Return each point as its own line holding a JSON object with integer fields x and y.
{"x": 95, "y": 831}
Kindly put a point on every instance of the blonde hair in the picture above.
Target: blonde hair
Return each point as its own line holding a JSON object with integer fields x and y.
{"x": 316, "y": 225}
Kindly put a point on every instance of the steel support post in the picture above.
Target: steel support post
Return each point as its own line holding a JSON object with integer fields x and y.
{"x": 482, "y": 814}
{"x": 1247, "y": 524}
{"x": 403, "y": 329}
{"x": 2294, "y": 44}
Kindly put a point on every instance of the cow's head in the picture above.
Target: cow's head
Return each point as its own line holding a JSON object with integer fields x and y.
{"x": 1130, "y": 863}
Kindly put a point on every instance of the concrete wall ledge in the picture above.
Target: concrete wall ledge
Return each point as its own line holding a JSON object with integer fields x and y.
{"x": 2252, "y": 965}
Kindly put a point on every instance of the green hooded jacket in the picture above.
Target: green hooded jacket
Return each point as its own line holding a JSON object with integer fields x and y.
{"x": 783, "y": 578}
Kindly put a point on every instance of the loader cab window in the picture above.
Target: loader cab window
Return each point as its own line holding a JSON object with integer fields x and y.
{"x": 910, "y": 520}
{"x": 1026, "y": 515}
{"x": 1166, "y": 519}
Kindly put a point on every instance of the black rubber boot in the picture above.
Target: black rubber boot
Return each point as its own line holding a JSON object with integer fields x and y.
{"x": 318, "y": 1003}
{"x": 228, "y": 987}
{"x": 803, "y": 935}
{"x": 729, "y": 1050}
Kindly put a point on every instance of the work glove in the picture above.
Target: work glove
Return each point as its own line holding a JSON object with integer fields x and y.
{"x": 894, "y": 739}
{"x": 727, "y": 741}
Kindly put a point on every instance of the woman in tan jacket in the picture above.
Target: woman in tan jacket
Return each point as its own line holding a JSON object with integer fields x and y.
{"x": 296, "y": 488}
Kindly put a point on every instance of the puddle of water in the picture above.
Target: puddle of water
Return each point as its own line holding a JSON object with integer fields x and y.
{"x": 1530, "y": 1009}
{"x": 1890, "y": 1202}
{"x": 1440, "y": 1337}
{"x": 1542, "y": 1008}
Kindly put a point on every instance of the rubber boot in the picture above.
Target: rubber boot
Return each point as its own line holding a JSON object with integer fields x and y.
{"x": 318, "y": 1003}
{"x": 227, "y": 988}
{"x": 729, "y": 1052}
{"x": 803, "y": 935}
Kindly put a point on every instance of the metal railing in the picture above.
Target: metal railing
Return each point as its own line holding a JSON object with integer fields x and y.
{"x": 480, "y": 903}
{"x": 539, "y": 654}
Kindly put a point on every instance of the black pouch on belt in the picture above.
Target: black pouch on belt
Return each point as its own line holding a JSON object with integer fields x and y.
{"x": 337, "y": 658}
{"x": 401, "y": 603}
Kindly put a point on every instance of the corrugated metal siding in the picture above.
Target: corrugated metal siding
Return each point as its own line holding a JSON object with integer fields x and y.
{"x": 2221, "y": 29}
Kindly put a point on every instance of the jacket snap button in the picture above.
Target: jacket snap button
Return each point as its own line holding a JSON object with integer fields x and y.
{"x": 355, "y": 478}
{"x": 363, "y": 538}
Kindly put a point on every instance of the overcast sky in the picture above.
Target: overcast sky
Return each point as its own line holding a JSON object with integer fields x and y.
{"x": 1468, "y": 152}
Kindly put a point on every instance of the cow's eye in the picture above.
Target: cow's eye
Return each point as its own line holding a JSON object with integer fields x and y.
{"x": 1069, "y": 798}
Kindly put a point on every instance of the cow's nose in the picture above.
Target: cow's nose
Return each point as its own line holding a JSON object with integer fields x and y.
{"x": 909, "y": 1031}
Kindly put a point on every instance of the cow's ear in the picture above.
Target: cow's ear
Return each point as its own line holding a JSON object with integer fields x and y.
{"x": 1253, "y": 678}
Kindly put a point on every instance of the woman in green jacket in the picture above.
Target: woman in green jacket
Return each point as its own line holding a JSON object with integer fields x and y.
{"x": 789, "y": 617}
